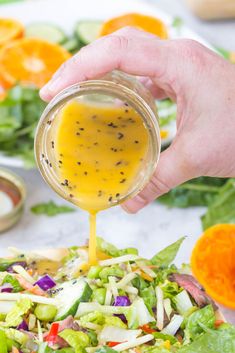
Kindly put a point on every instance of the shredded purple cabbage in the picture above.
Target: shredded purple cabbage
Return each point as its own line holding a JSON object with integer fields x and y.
{"x": 6, "y": 290}
{"x": 45, "y": 283}
{"x": 122, "y": 317}
{"x": 20, "y": 263}
{"x": 122, "y": 300}
{"x": 23, "y": 326}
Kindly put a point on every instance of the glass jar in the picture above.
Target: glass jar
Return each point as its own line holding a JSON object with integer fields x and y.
{"x": 114, "y": 89}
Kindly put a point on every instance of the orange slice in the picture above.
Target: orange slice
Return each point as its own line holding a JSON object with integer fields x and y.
{"x": 30, "y": 61}
{"x": 213, "y": 263}
{"x": 147, "y": 23}
{"x": 9, "y": 30}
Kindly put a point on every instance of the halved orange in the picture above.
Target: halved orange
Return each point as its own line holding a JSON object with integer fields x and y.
{"x": 10, "y": 29}
{"x": 30, "y": 61}
{"x": 213, "y": 263}
{"x": 146, "y": 23}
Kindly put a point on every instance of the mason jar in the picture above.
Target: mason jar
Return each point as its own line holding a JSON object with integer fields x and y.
{"x": 112, "y": 90}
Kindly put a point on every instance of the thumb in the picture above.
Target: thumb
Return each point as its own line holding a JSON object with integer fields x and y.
{"x": 172, "y": 170}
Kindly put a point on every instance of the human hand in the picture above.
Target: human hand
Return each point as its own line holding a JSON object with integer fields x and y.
{"x": 202, "y": 84}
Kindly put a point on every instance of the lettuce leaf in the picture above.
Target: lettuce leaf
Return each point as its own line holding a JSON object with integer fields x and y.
{"x": 111, "y": 249}
{"x": 14, "y": 317}
{"x": 3, "y": 342}
{"x": 213, "y": 341}
{"x": 114, "y": 270}
{"x": 198, "y": 321}
{"x": 76, "y": 339}
{"x": 166, "y": 256}
{"x": 14, "y": 282}
{"x": 139, "y": 283}
{"x": 114, "y": 321}
{"x": 99, "y": 318}
{"x": 149, "y": 297}
{"x": 16, "y": 335}
{"x": 164, "y": 337}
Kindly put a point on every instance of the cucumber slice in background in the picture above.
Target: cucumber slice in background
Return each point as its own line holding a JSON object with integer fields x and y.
{"x": 72, "y": 45}
{"x": 87, "y": 31}
{"x": 69, "y": 295}
{"x": 46, "y": 31}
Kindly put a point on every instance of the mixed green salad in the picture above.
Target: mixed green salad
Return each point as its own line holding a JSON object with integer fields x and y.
{"x": 123, "y": 304}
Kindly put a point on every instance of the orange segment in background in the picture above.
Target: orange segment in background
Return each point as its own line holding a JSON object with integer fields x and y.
{"x": 9, "y": 30}
{"x": 146, "y": 23}
{"x": 213, "y": 263}
{"x": 30, "y": 61}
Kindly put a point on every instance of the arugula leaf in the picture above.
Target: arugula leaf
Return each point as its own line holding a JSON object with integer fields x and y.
{"x": 198, "y": 320}
{"x": 51, "y": 209}
{"x": 166, "y": 256}
{"x": 213, "y": 341}
{"x": 222, "y": 210}
{"x": 197, "y": 192}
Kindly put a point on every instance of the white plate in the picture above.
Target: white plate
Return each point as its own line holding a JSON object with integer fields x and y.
{"x": 66, "y": 13}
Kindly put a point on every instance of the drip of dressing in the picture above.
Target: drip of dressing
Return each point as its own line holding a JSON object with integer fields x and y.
{"x": 99, "y": 154}
{"x": 6, "y": 203}
{"x": 92, "y": 239}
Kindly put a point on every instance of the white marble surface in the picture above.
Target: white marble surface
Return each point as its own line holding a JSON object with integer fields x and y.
{"x": 151, "y": 229}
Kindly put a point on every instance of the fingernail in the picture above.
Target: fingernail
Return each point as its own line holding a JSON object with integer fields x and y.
{"x": 134, "y": 205}
{"x": 51, "y": 87}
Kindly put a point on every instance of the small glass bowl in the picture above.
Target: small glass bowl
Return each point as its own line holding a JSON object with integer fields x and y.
{"x": 112, "y": 89}
{"x": 14, "y": 188}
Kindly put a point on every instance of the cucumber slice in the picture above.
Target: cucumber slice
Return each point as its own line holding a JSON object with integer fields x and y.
{"x": 46, "y": 31}
{"x": 69, "y": 295}
{"x": 72, "y": 45}
{"x": 87, "y": 31}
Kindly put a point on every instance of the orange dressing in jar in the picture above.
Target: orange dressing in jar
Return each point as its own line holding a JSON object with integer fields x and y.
{"x": 99, "y": 151}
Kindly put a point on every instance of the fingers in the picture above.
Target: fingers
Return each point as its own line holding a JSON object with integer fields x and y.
{"x": 130, "y": 50}
{"x": 173, "y": 169}
{"x": 156, "y": 91}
